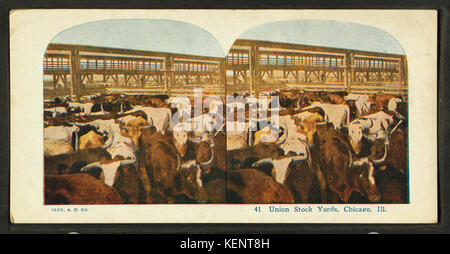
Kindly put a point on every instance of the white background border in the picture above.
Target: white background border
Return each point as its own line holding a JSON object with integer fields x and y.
{"x": 32, "y": 30}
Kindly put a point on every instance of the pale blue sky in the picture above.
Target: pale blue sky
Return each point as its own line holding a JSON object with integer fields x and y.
{"x": 144, "y": 34}
{"x": 326, "y": 33}
{"x": 181, "y": 37}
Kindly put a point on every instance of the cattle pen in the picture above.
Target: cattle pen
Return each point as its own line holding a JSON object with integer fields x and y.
{"x": 250, "y": 66}
{"x": 262, "y": 65}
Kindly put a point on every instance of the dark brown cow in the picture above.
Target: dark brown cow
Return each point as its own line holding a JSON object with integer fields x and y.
{"x": 167, "y": 173}
{"x": 397, "y": 156}
{"x": 381, "y": 101}
{"x": 216, "y": 189}
{"x": 336, "y": 99}
{"x": 73, "y": 162}
{"x": 392, "y": 176}
{"x": 148, "y": 100}
{"x": 393, "y": 186}
{"x": 188, "y": 186}
{"x": 245, "y": 157}
{"x": 299, "y": 180}
{"x": 298, "y": 174}
{"x": 78, "y": 189}
{"x": 336, "y": 169}
{"x": 127, "y": 181}
{"x": 161, "y": 159}
{"x": 204, "y": 153}
{"x": 250, "y": 186}
{"x": 313, "y": 96}
{"x": 130, "y": 187}
{"x": 213, "y": 176}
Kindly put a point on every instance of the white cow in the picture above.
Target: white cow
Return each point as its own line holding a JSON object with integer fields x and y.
{"x": 392, "y": 106}
{"x": 58, "y": 139}
{"x": 281, "y": 165}
{"x": 291, "y": 141}
{"x": 337, "y": 114}
{"x": 109, "y": 168}
{"x": 57, "y": 111}
{"x": 117, "y": 145}
{"x": 161, "y": 118}
{"x": 236, "y": 134}
{"x": 373, "y": 126}
{"x": 84, "y": 107}
{"x": 362, "y": 103}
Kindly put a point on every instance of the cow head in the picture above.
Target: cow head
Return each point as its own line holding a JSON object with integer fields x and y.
{"x": 355, "y": 134}
{"x": 364, "y": 172}
{"x": 189, "y": 185}
{"x": 180, "y": 137}
{"x": 363, "y": 175}
{"x": 109, "y": 169}
{"x": 277, "y": 168}
{"x": 308, "y": 126}
{"x": 206, "y": 155}
{"x": 133, "y": 129}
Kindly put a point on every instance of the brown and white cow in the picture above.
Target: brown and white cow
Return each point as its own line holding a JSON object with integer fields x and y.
{"x": 338, "y": 171}
{"x": 371, "y": 127}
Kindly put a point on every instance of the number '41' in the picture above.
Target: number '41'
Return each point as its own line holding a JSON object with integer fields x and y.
{"x": 257, "y": 209}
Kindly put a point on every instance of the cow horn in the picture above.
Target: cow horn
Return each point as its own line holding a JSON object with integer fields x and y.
{"x": 396, "y": 127}
{"x": 399, "y": 116}
{"x": 379, "y": 161}
{"x": 299, "y": 157}
{"x": 283, "y": 138}
{"x": 179, "y": 164}
{"x": 127, "y": 162}
{"x": 218, "y": 130}
{"x": 321, "y": 123}
{"x": 265, "y": 160}
{"x": 360, "y": 162}
{"x": 350, "y": 163}
{"x": 110, "y": 140}
{"x": 188, "y": 164}
{"x": 91, "y": 166}
{"x": 207, "y": 163}
{"x": 197, "y": 141}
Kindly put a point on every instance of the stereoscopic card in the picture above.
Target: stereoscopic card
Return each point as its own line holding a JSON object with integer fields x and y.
{"x": 223, "y": 116}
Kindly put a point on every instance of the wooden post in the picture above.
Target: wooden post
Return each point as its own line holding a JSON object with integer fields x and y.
{"x": 75, "y": 72}
{"x": 64, "y": 80}
{"x": 222, "y": 73}
{"x": 400, "y": 73}
{"x": 169, "y": 74}
{"x": 348, "y": 71}
{"x": 251, "y": 63}
{"x": 255, "y": 70}
{"x": 55, "y": 81}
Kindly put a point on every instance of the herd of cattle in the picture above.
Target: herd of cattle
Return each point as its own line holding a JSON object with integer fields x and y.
{"x": 309, "y": 147}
